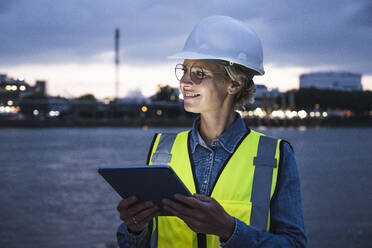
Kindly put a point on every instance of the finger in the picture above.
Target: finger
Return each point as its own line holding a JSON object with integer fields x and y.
{"x": 203, "y": 198}
{"x": 139, "y": 222}
{"x": 143, "y": 216}
{"x": 179, "y": 208}
{"x": 152, "y": 215}
{"x": 193, "y": 223}
{"x": 126, "y": 202}
{"x": 190, "y": 201}
{"x": 128, "y": 213}
{"x": 134, "y": 226}
{"x": 139, "y": 207}
{"x": 172, "y": 211}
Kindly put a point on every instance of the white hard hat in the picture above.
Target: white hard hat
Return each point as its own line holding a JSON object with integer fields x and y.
{"x": 224, "y": 38}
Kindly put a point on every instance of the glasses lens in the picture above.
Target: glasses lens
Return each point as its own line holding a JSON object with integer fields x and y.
{"x": 180, "y": 71}
{"x": 197, "y": 74}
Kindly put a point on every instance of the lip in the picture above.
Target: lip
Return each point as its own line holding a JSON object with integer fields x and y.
{"x": 190, "y": 95}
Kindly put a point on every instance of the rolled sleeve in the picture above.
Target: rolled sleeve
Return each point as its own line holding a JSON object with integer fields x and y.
{"x": 126, "y": 239}
{"x": 235, "y": 239}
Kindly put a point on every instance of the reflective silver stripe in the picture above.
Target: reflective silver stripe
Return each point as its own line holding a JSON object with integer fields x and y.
{"x": 154, "y": 235}
{"x": 265, "y": 163}
{"x": 163, "y": 154}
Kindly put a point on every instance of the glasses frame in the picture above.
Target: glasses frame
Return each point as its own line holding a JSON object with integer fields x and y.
{"x": 193, "y": 76}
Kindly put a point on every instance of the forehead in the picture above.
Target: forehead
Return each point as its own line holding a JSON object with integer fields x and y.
{"x": 203, "y": 64}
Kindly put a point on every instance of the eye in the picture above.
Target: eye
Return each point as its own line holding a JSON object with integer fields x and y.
{"x": 200, "y": 74}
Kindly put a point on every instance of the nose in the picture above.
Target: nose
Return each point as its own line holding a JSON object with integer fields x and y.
{"x": 186, "y": 79}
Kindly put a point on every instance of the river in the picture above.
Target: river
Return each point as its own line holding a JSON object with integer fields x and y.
{"x": 52, "y": 196}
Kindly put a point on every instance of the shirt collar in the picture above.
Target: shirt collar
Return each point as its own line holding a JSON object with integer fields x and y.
{"x": 228, "y": 139}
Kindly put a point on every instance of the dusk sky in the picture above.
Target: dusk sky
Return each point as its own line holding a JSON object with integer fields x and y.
{"x": 70, "y": 44}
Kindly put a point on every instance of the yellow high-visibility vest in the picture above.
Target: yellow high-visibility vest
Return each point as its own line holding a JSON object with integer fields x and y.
{"x": 244, "y": 185}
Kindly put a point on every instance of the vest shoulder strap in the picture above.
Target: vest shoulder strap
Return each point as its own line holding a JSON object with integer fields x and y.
{"x": 163, "y": 154}
{"x": 264, "y": 163}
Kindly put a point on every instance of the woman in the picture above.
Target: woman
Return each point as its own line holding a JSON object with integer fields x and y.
{"x": 246, "y": 185}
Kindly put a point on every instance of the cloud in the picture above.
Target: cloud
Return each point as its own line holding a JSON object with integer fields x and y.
{"x": 319, "y": 34}
{"x": 328, "y": 34}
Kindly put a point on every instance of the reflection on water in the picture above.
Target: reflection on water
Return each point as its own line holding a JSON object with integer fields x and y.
{"x": 52, "y": 196}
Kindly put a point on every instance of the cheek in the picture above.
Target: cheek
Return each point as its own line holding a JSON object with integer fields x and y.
{"x": 219, "y": 91}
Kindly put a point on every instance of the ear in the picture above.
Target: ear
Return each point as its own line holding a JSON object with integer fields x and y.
{"x": 234, "y": 87}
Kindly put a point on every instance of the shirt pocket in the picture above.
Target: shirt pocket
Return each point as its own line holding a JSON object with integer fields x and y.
{"x": 238, "y": 209}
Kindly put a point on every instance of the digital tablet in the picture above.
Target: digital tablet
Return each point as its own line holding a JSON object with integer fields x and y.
{"x": 147, "y": 183}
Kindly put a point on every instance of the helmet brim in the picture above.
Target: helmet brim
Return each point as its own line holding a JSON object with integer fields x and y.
{"x": 195, "y": 55}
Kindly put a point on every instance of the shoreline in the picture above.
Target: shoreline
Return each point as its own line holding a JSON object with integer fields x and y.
{"x": 145, "y": 123}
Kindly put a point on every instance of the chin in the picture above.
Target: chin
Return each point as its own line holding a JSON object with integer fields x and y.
{"x": 191, "y": 109}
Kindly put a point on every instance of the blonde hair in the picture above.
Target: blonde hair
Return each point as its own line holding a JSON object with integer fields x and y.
{"x": 243, "y": 75}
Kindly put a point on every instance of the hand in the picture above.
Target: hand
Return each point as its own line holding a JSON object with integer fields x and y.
{"x": 137, "y": 215}
{"x": 203, "y": 214}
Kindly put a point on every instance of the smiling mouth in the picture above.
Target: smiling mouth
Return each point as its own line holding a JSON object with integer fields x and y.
{"x": 191, "y": 95}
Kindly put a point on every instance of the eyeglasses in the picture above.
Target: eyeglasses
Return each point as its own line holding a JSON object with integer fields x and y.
{"x": 197, "y": 74}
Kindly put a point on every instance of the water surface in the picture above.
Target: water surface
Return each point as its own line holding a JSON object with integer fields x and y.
{"x": 51, "y": 194}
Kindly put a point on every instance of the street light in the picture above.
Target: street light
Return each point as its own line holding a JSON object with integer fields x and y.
{"x": 144, "y": 109}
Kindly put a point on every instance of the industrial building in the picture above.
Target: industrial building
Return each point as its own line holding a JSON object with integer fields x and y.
{"x": 12, "y": 91}
{"x": 332, "y": 80}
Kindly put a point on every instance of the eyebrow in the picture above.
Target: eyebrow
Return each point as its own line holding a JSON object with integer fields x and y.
{"x": 200, "y": 66}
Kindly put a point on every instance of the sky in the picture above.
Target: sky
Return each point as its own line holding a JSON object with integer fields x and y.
{"x": 70, "y": 43}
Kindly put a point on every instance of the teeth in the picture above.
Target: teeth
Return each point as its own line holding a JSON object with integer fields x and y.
{"x": 191, "y": 94}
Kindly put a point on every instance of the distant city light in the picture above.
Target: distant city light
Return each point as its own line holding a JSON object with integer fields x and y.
{"x": 14, "y": 87}
{"x": 159, "y": 112}
{"x": 53, "y": 113}
{"x": 7, "y": 109}
{"x": 2, "y": 109}
{"x": 22, "y": 88}
{"x": 290, "y": 114}
{"x": 325, "y": 114}
{"x": 278, "y": 114}
{"x": 302, "y": 114}
{"x": 312, "y": 114}
{"x": 144, "y": 109}
{"x": 8, "y": 87}
{"x": 258, "y": 112}
{"x": 21, "y": 78}
{"x": 10, "y": 102}
{"x": 36, "y": 112}
{"x": 317, "y": 114}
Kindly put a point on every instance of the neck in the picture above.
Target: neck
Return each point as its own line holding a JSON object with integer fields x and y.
{"x": 212, "y": 125}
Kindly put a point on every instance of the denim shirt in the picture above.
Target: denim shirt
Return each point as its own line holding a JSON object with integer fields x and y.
{"x": 286, "y": 213}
